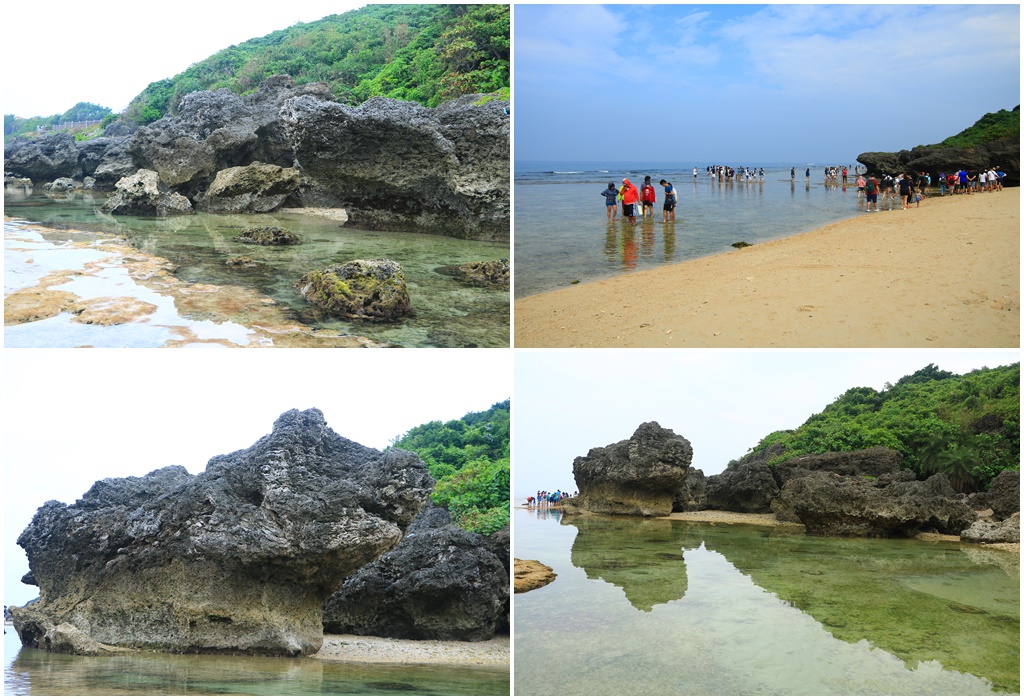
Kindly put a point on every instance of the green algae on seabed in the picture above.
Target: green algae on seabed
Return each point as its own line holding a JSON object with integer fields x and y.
{"x": 447, "y": 313}
{"x": 762, "y": 611}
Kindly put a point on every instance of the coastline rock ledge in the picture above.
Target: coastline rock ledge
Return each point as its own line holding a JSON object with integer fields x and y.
{"x": 638, "y": 476}
{"x": 237, "y": 559}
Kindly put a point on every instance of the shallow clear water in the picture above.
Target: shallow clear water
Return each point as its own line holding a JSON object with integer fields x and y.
{"x": 562, "y": 233}
{"x": 447, "y": 313}
{"x": 34, "y": 672}
{"x": 659, "y": 607}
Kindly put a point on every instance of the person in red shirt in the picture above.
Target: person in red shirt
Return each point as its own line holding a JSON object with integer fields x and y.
{"x": 647, "y": 198}
{"x": 630, "y": 199}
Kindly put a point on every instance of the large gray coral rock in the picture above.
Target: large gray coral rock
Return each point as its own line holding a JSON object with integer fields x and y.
{"x": 830, "y": 504}
{"x": 42, "y": 159}
{"x": 374, "y": 290}
{"x": 144, "y": 194}
{"x": 211, "y": 131}
{"x": 440, "y": 582}
{"x": 638, "y": 476}
{"x": 239, "y": 558}
{"x": 258, "y": 187}
{"x": 400, "y": 166}
{"x": 983, "y": 532}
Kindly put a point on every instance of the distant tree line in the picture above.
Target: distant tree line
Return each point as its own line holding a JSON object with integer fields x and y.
{"x": 965, "y": 426}
{"x": 470, "y": 460}
{"x": 81, "y": 112}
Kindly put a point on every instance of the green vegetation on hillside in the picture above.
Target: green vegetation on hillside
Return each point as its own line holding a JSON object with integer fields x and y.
{"x": 419, "y": 53}
{"x": 469, "y": 458}
{"x": 83, "y": 111}
{"x": 992, "y": 127}
{"x": 967, "y": 427}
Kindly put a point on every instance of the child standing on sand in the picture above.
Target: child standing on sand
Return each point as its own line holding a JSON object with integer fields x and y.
{"x": 611, "y": 196}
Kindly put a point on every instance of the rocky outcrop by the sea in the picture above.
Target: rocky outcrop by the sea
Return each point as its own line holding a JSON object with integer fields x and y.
{"x": 830, "y": 504}
{"x": 237, "y": 559}
{"x": 440, "y": 582}
{"x": 638, "y": 476}
{"x": 393, "y": 165}
{"x": 400, "y": 166}
{"x": 143, "y": 194}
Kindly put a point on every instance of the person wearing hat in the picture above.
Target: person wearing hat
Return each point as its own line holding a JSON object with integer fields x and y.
{"x": 647, "y": 198}
{"x": 611, "y": 196}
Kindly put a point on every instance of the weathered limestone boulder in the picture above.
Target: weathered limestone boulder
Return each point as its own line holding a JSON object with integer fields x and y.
{"x": 744, "y": 487}
{"x": 829, "y": 504}
{"x": 365, "y": 289}
{"x": 400, "y": 166}
{"x": 1004, "y": 494}
{"x": 693, "y": 495}
{"x": 440, "y": 582}
{"x": 43, "y": 159}
{"x": 106, "y": 159}
{"x": 61, "y": 184}
{"x": 873, "y": 461}
{"x": 531, "y": 575}
{"x": 493, "y": 273}
{"x": 983, "y": 532}
{"x": 258, "y": 187}
{"x": 638, "y": 476}
{"x": 144, "y": 194}
{"x": 211, "y": 131}
{"x": 239, "y": 558}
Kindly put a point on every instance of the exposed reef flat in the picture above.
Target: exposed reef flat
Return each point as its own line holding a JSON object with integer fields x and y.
{"x": 350, "y": 647}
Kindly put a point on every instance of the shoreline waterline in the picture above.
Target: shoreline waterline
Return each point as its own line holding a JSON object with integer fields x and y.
{"x": 945, "y": 274}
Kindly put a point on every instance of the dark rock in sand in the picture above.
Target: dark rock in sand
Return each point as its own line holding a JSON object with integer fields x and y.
{"x": 693, "y": 495}
{"x": 1003, "y": 495}
{"x": 744, "y": 487}
{"x": 367, "y": 289}
{"x": 638, "y": 476}
{"x": 440, "y": 582}
{"x": 829, "y": 504}
{"x": 237, "y": 559}
{"x": 400, "y": 166}
{"x": 1004, "y": 153}
{"x": 144, "y": 194}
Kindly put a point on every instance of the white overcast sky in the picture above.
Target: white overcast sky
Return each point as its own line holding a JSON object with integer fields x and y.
{"x": 59, "y": 53}
{"x": 72, "y": 418}
{"x": 723, "y": 402}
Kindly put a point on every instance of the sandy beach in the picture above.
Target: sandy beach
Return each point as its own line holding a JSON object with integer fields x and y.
{"x": 350, "y": 647}
{"x": 945, "y": 274}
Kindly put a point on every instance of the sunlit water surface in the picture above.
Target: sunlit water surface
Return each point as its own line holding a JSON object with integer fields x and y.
{"x": 447, "y": 313}
{"x": 658, "y": 607}
{"x": 34, "y": 672}
{"x": 562, "y": 234}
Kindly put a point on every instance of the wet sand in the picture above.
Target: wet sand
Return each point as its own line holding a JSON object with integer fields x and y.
{"x": 946, "y": 274}
{"x": 723, "y": 516}
{"x": 350, "y": 647}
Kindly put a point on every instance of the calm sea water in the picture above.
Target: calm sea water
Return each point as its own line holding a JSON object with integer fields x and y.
{"x": 34, "y": 672}
{"x": 659, "y": 607}
{"x": 562, "y": 233}
{"x": 447, "y": 313}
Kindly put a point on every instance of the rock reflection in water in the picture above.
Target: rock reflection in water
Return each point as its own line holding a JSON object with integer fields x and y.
{"x": 756, "y": 610}
{"x": 40, "y": 673}
{"x": 642, "y": 557}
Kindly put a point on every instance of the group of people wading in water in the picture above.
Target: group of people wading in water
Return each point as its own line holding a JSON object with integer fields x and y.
{"x": 645, "y": 197}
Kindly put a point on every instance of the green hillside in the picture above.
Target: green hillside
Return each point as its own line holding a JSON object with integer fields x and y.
{"x": 419, "y": 53}
{"x": 469, "y": 458}
{"x": 992, "y": 127}
{"x": 83, "y": 111}
{"x": 965, "y": 426}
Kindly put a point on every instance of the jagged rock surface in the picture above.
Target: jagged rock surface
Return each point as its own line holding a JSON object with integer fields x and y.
{"x": 1003, "y": 495}
{"x": 367, "y": 289}
{"x": 1004, "y": 153}
{"x": 403, "y": 167}
{"x": 144, "y": 194}
{"x": 829, "y": 504}
{"x": 258, "y": 187}
{"x": 46, "y": 158}
{"x": 693, "y": 495}
{"x": 440, "y": 582}
{"x": 638, "y": 476}
{"x": 983, "y": 532}
{"x": 240, "y": 558}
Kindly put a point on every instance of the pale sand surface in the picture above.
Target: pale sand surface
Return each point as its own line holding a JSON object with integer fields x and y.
{"x": 723, "y": 516}
{"x": 946, "y": 274}
{"x": 350, "y": 647}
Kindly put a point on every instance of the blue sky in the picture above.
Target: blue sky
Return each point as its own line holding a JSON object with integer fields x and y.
{"x": 755, "y": 83}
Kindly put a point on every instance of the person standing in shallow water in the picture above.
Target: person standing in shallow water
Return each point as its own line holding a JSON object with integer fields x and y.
{"x": 669, "y": 207}
{"x": 611, "y": 196}
{"x": 647, "y": 198}
{"x": 630, "y": 200}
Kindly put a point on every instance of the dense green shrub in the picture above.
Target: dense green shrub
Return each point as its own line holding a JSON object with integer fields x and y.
{"x": 470, "y": 460}
{"x": 967, "y": 427}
